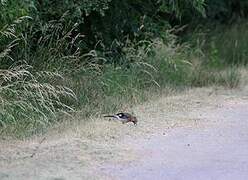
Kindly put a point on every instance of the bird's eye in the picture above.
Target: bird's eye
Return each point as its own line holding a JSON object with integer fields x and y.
{"x": 120, "y": 115}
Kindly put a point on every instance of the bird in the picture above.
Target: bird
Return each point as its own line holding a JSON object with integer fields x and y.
{"x": 124, "y": 118}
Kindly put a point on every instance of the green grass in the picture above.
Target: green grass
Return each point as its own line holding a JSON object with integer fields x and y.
{"x": 116, "y": 88}
{"x": 222, "y": 44}
{"x": 229, "y": 77}
{"x": 89, "y": 85}
{"x": 30, "y": 99}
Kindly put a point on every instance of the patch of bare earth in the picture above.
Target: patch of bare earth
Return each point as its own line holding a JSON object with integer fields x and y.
{"x": 91, "y": 150}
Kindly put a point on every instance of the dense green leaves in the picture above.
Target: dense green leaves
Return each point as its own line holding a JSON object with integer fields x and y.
{"x": 182, "y": 8}
{"x": 226, "y": 10}
{"x": 103, "y": 25}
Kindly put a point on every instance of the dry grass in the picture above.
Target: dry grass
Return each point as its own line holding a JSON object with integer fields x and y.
{"x": 26, "y": 101}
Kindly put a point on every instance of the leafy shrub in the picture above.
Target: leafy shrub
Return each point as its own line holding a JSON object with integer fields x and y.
{"x": 223, "y": 45}
{"x": 226, "y": 10}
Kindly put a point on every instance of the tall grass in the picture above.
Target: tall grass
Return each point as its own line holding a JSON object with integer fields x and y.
{"x": 152, "y": 66}
{"x": 223, "y": 44}
{"x": 29, "y": 99}
{"x": 33, "y": 91}
{"x": 26, "y": 100}
{"x": 107, "y": 87}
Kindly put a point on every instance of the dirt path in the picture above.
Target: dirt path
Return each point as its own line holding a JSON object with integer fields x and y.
{"x": 216, "y": 151}
{"x": 200, "y": 134}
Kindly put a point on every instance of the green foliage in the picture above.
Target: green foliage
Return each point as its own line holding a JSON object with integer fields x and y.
{"x": 230, "y": 43}
{"x": 226, "y": 10}
{"x": 109, "y": 51}
{"x": 223, "y": 45}
{"x": 53, "y": 10}
{"x": 101, "y": 22}
{"x": 150, "y": 65}
{"x": 182, "y": 8}
{"x": 28, "y": 98}
{"x": 208, "y": 77}
{"x": 11, "y": 10}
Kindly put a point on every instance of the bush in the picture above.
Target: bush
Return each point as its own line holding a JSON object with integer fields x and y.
{"x": 226, "y": 10}
{"x": 223, "y": 45}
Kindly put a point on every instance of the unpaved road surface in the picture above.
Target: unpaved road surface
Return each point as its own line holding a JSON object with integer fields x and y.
{"x": 216, "y": 151}
{"x": 199, "y": 134}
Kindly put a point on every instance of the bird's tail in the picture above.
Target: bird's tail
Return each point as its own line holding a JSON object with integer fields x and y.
{"x": 109, "y": 116}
